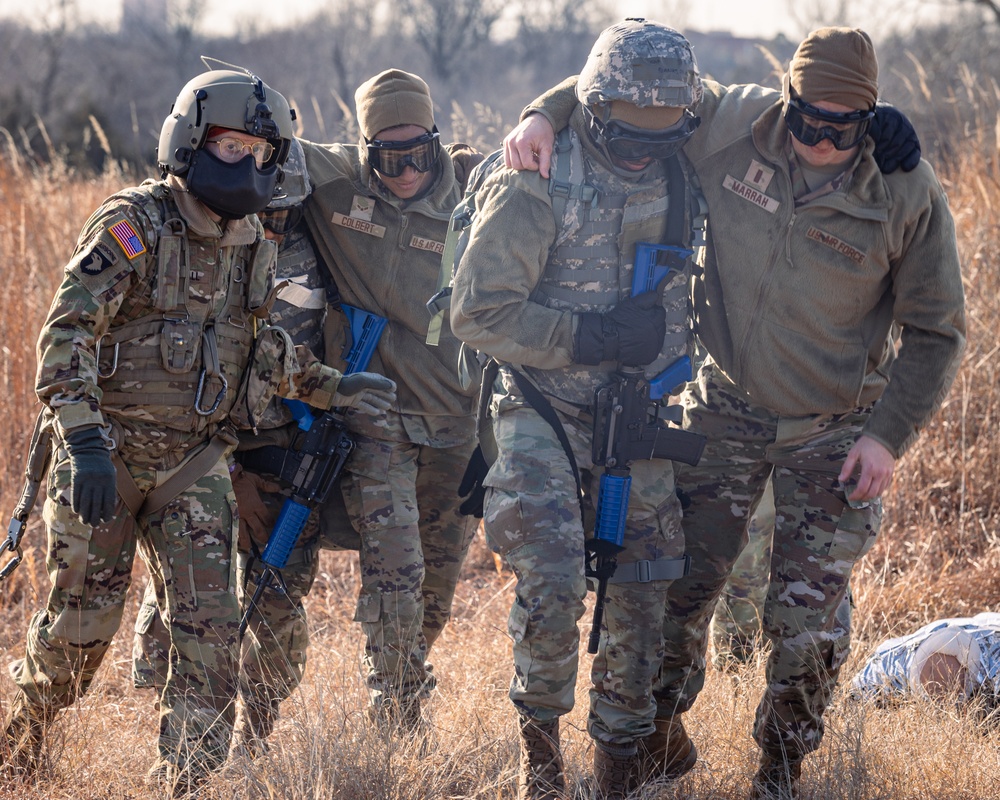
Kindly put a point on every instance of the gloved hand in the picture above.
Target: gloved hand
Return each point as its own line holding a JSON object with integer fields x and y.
{"x": 93, "y": 482}
{"x": 368, "y": 392}
{"x": 471, "y": 486}
{"x": 255, "y": 520}
{"x": 632, "y": 332}
{"x": 896, "y": 142}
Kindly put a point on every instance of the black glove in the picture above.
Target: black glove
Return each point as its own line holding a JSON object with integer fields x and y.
{"x": 632, "y": 332}
{"x": 368, "y": 392}
{"x": 471, "y": 487}
{"x": 92, "y": 476}
{"x": 896, "y": 142}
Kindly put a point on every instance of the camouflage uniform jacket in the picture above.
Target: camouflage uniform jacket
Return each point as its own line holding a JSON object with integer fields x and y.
{"x": 135, "y": 339}
{"x": 803, "y": 324}
{"x": 521, "y": 281}
{"x": 385, "y": 257}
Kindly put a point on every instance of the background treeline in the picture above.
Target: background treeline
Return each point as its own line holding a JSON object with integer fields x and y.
{"x": 80, "y": 109}
{"x": 87, "y": 93}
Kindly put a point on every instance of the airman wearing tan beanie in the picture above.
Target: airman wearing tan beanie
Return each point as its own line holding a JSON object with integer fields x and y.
{"x": 837, "y": 65}
{"x": 393, "y": 98}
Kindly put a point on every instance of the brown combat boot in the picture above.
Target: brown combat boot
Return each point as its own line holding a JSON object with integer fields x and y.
{"x": 667, "y": 752}
{"x": 24, "y": 738}
{"x": 541, "y": 773}
{"x": 776, "y": 779}
{"x": 614, "y": 773}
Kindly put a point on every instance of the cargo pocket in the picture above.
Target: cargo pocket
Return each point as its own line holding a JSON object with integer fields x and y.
{"x": 70, "y": 537}
{"x": 369, "y": 607}
{"x": 517, "y": 622}
{"x": 856, "y": 531}
{"x": 147, "y": 613}
{"x": 518, "y": 472}
{"x": 514, "y": 485}
{"x": 178, "y": 567}
{"x": 368, "y": 491}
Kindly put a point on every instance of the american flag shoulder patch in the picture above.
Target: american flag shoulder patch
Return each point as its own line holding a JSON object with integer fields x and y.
{"x": 128, "y": 238}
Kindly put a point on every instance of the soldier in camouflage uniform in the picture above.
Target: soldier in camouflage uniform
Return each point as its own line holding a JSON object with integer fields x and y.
{"x": 145, "y": 367}
{"x": 550, "y": 300}
{"x": 378, "y": 214}
{"x": 273, "y": 658}
{"x": 798, "y": 382}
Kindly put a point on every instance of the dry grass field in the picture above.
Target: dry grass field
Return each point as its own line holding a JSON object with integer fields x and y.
{"x": 938, "y": 555}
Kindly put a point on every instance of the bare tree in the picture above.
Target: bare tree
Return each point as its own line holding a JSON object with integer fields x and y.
{"x": 450, "y": 31}
{"x": 58, "y": 19}
{"x": 990, "y": 6}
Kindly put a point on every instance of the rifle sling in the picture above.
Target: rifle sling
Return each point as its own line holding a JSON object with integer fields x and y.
{"x": 538, "y": 402}
{"x": 663, "y": 569}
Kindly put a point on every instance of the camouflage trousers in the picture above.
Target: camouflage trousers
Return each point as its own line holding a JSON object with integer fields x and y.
{"x": 402, "y": 499}
{"x": 818, "y": 538}
{"x": 532, "y": 519}
{"x": 736, "y": 623}
{"x": 275, "y": 645}
{"x": 187, "y": 548}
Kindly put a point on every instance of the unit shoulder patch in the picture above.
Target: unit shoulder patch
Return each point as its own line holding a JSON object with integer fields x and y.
{"x": 98, "y": 259}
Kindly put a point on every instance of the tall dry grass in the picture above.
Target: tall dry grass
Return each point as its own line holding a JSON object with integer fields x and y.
{"x": 939, "y": 555}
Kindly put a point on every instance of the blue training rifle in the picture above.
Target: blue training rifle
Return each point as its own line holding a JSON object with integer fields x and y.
{"x": 314, "y": 461}
{"x": 629, "y": 425}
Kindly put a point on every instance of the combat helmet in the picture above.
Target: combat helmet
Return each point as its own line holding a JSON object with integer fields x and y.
{"x": 230, "y": 98}
{"x": 643, "y": 63}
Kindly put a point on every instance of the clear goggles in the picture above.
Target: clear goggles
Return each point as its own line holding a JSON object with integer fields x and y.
{"x": 630, "y": 143}
{"x": 811, "y": 125}
{"x": 281, "y": 221}
{"x": 391, "y": 158}
{"x": 232, "y": 149}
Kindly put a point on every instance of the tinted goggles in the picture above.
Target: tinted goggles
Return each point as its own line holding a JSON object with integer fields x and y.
{"x": 281, "y": 221}
{"x": 391, "y": 158}
{"x": 630, "y": 143}
{"x": 811, "y": 125}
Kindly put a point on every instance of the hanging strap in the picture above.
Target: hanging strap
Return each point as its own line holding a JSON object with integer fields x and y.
{"x": 192, "y": 470}
{"x": 544, "y": 408}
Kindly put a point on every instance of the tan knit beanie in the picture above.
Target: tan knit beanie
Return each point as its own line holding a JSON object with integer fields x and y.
{"x": 393, "y": 98}
{"x": 837, "y": 65}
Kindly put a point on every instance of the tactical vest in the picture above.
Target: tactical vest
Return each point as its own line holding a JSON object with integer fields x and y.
{"x": 178, "y": 350}
{"x": 590, "y": 266}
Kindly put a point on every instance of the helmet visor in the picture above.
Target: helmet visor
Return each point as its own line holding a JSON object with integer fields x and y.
{"x": 391, "y": 158}
{"x": 811, "y": 125}
{"x": 630, "y": 143}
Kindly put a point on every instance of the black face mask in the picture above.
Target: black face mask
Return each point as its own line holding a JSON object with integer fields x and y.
{"x": 231, "y": 190}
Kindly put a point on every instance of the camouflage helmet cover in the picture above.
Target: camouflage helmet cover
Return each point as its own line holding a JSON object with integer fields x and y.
{"x": 293, "y": 188}
{"x": 228, "y": 98}
{"x": 643, "y": 63}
